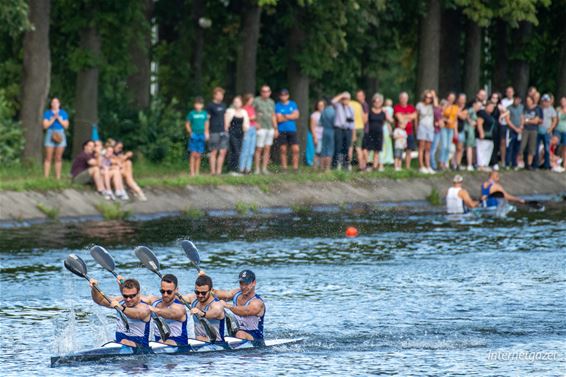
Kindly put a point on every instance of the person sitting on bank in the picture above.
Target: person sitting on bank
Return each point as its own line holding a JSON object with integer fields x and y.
{"x": 86, "y": 168}
{"x": 458, "y": 200}
{"x": 491, "y": 191}
{"x": 137, "y": 311}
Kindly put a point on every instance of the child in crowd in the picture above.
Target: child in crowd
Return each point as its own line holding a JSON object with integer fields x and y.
{"x": 197, "y": 128}
{"x": 400, "y": 137}
{"x": 386, "y": 154}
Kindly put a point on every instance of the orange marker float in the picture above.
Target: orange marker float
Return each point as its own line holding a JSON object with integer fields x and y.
{"x": 351, "y": 232}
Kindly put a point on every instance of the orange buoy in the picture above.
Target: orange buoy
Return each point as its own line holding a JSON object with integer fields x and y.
{"x": 351, "y": 232}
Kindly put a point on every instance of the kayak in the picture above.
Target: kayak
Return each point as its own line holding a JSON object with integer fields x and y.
{"x": 113, "y": 349}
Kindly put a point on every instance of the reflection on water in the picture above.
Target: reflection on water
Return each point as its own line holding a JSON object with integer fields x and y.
{"x": 415, "y": 294}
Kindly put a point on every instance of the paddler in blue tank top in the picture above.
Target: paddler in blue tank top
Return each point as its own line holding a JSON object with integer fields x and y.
{"x": 208, "y": 307}
{"x": 171, "y": 310}
{"x": 137, "y": 311}
{"x": 491, "y": 191}
{"x": 248, "y": 307}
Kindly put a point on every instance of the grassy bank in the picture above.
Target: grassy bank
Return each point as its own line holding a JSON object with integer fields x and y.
{"x": 21, "y": 178}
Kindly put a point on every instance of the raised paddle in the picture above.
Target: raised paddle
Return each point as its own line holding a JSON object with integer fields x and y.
{"x": 77, "y": 266}
{"x": 149, "y": 261}
{"x": 103, "y": 257}
{"x": 192, "y": 253}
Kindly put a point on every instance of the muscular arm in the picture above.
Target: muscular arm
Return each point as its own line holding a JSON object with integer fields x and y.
{"x": 215, "y": 311}
{"x": 140, "y": 312}
{"x": 176, "y": 312}
{"x": 498, "y": 188}
{"x": 465, "y": 196}
{"x": 225, "y": 295}
{"x": 254, "y": 308}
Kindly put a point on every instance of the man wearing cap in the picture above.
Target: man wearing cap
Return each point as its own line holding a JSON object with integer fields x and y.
{"x": 458, "y": 200}
{"x": 287, "y": 112}
{"x": 247, "y": 306}
{"x": 344, "y": 130}
{"x": 549, "y": 122}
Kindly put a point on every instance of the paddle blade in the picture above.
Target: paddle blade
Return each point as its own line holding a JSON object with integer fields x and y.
{"x": 191, "y": 252}
{"x": 103, "y": 258}
{"x": 76, "y": 265}
{"x": 162, "y": 327}
{"x": 147, "y": 258}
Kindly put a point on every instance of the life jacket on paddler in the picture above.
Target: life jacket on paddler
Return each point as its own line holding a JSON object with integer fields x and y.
{"x": 139, "y": 332}
{"x": 216, "y": 325}
{"x": 178, "y": 328}
{"x": 251, "y": 324}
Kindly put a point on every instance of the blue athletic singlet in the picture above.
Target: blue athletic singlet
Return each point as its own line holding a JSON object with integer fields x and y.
{"x": 485, "y": 192}
{"x": 139, "y": 331}
{"x": 217, "y": 324}
{"x": 251, "y": 324}
{"x": 178, "y": 329}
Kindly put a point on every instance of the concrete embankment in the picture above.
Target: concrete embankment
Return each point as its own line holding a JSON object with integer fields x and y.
{"x": 24, "y": 206}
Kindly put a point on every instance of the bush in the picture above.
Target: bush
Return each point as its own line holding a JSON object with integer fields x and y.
{"x": 11, "y": 135}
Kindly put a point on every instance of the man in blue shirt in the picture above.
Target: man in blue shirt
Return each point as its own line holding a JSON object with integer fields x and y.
{"x": 287, "y": 112}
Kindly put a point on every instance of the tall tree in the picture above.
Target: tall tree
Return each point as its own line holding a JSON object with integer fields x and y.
{"x": 35, "y": 78}
{"x": 198, "y": 12}
{"x": 472, "y": 60}
{"x": 500, "y": 74}
{"x": 139, "y": 81}
{"x": 561, "y": 82}
{"x": 247, "y": 51}
{"x": 450, "y": 78}
{"x": 521, "y": 67}
{"x": 86, "y": 96}
{"x": 429, "y": 47}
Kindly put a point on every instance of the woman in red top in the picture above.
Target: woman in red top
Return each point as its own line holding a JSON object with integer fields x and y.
{"x": 248, "y": 145}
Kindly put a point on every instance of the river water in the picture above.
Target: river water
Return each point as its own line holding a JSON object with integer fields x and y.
{"x": 414, "y": 294}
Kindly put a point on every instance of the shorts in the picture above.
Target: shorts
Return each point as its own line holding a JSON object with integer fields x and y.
{"x": 359, "y": 138}
{"x": 529, "y": 139}
{"x": 398, "y": 153}
{"x": 47, "y": 142}
{"x": 289, "y": 138}
{"x": 327, "y": 143}
{"x": 412, "y": 143}
{"x": 470, "y": 136}
{"x": 264, "y": 137}
{"x": 83, "y": 178}
{"x": 562, "y": 138}
{"x": 318, "y": 147}
{"x": 197, "y": 143}
{"x": 461, "y": 137}
{"x": 256, "y": 334}
{"x": 218, "y": 140}
{"x": 424, "y": 134}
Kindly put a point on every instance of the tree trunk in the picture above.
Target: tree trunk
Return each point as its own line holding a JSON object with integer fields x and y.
{"x": 500, "y": 74}
{"x": 139, "y": 81}
{"x": 472, "y": 62}
{"x": 247, "y": 53}
{"x": 372, "y": 86}
{"x": 197, "y": 11}
{"x": 86, "y": 98}
{"x": 450, "y": 79}
{"x": 429, "y": 48}
{"x": 561, "y": 82}
{"x": 35, "y": 78}
{"x": 521, "y": 70}
{"x": 298, "y": 81}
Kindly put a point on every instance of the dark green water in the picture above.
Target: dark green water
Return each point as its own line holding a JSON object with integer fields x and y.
{"x": 414, "y": 294}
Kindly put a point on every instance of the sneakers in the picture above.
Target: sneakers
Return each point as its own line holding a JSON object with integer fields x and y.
{"x": 470, "y": 168}
{"x": 141, "y": 196}
{"x": 397, "y": 169}
{"x": 266, "y": 172}
{"x": 381, "y": 169}
{"x": 108, "y": 195}
{"x": 122, "y": 195}
{"x": 423, "y": 170}
{"x": 558, "y": 169}
{"x": 431, "y": 171}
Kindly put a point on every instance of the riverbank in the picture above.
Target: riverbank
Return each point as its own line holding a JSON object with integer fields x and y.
{"x": 198, "y": 200}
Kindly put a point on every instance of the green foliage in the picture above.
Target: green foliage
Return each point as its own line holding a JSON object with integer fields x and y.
{"x": 112, "y": 211}
{"x": 14, "y": 17}
{"x": 434, "y": 197}
{"x": 244, "y": 208}
{"x": 51, "y": 212}
{"x": 11, "y": 136}
{"x": 194, "y": 213}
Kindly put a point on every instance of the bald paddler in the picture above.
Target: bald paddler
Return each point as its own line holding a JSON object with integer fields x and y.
{"x": 247, "y": 305}
{"x": 137, "y": 311}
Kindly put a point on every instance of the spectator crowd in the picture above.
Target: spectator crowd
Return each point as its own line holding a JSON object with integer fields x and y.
{"x": 484, "y": 133}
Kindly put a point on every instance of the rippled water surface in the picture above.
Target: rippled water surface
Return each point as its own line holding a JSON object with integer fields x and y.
{"x": 414, "y": 294}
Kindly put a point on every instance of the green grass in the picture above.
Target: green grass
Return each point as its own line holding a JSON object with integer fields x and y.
{"x": 301, "y": 209}
{"x": 112, "y": 211}
{"x": 244, "y": 208}
{"x": 21, "y": 178}
{"x": 194, "y": 213}
{"x": 434, "y": 197}
{"x": 50, "y": 212}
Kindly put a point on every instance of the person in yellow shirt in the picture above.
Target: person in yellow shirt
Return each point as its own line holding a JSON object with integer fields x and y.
{"x": 360, "y": 109}
{"x": 450, "y": 115}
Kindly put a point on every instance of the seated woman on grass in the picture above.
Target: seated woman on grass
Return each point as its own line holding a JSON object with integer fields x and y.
{"x": 127, "y": 170}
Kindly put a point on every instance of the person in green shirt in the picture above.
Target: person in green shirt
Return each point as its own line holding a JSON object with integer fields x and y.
{"x": 197, "y": 128}
{"x": 267, "y": 130}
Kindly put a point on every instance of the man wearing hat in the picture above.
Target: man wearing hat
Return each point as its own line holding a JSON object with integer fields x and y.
{"x": 247, "y": 306}
{"x": 549, "y": 122}
{"x": 458, "y": 200}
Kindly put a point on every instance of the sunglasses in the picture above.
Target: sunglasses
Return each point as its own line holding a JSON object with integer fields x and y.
{"x": 168, "y": 291}
{"x": 201, "y": 293}
{"x": 129, "y": 296}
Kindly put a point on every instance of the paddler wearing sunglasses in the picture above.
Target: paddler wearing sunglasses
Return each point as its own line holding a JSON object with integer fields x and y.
{"x": 137, "y": 311}
{"x": 206, "y": 306}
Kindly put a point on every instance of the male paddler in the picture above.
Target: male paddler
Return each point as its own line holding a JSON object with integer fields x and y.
{"x": 458, "y": 200}
{"x": 491, "y": 191}
{"x": 205, "y": 306}
{"x": 171, "y": 310}
{"x": 248, "y": 307}
{"x": 137, "y": 311}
